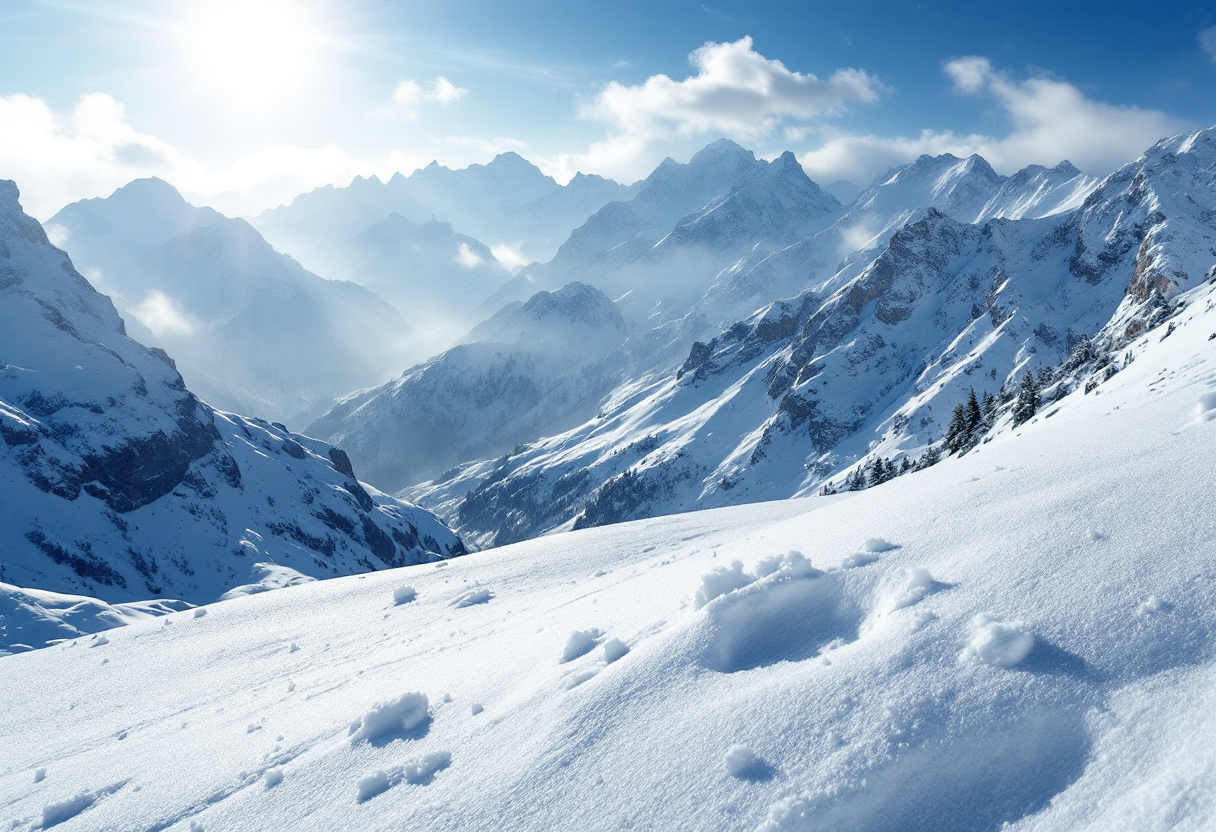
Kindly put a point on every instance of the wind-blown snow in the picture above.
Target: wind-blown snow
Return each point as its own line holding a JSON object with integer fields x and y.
{"x": 995, "y": 665}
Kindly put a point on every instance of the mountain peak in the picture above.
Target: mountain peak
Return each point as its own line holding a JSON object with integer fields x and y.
{"x": 722, "y": 148}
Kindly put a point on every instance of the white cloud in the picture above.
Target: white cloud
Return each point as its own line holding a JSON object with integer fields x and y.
{"x": 735, "y": 92}
{"x": 56, "y": 158}
{"x": 1050, "y": 120}
{"x": 410, "y": 96}
{"x": 1207, "y": 40}
{"x": 158, "y": 313}
{"x": 511, "y": 255}
{"x": 468, "y": 258}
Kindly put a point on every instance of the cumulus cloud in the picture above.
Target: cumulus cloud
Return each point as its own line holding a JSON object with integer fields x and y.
{"x": 59, "y": 157}
{"x": 410, "y": 96}
{"x": 1050, "y": 120}
{"x": 735, "y": 91}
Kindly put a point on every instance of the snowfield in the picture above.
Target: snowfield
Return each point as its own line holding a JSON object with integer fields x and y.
{"x": 1022, "y": 636}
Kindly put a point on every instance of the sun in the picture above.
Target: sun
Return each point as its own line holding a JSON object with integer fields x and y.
{"x": 250, "y": 49}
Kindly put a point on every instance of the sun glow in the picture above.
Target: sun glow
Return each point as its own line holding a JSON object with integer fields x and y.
{"x": 250, "y": 49}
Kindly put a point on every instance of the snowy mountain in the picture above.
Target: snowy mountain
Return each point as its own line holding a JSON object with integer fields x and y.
{"x": 436, "y": 278}
{"x": 531, "y": 370}
{"x": 507, "y": 202}
{"x": 250, "y": 329}
{"x": 120, "y": 485}
{"x": 870, "y": 363}
{"x": 1019, "y": 639}
{"x": 659, "y": 251}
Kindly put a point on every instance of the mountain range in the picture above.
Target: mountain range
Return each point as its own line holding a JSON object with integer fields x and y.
{"x": 120, "y": 485}
{"x": 251, "y": 330}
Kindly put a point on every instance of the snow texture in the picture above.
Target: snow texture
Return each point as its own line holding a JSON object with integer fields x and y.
{"x": 404, "y": 715}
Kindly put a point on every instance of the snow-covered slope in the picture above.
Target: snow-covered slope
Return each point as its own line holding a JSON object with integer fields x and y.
{"x": 118, "y": 483}
{"x": 532, "y": 369}
{"x": 250, "y": 329}
{"x": 507, "y": 202}
{"x": 873, "y": 364}
{"x": 1018, "y": 639}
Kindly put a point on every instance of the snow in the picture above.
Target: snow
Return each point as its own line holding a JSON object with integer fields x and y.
{"x": 580, "y": 643}
{"x": 404, "y": 594}
{"x": 58, "y": 812}
{"x": 998, "y": 643}
{"x": 402, "y": 715}
{"x": 994, "y": 668}
{"x": 745, "y": 764}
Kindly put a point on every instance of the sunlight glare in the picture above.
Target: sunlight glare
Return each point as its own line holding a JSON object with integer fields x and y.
{"x": 248, "y": 49}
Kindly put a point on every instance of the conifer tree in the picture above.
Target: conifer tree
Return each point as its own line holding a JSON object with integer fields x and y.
{"x": 1028, "y": 400}
{"x": 975, "y": 419}
{"x": 956, "y": 433}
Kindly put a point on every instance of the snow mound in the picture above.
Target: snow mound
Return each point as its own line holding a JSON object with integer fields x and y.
{"x": 791, "y": 614}
{"x": 272, "y": 777}
{"x": 580, "y": 643}
{"x": 745, "y": 764}
{"x": 61, "y": 810}
{"x": 404, "y": 594}
{"x": 877, "y": 545}
{"x": 997, "y": 643}
{"x": 1206, "y": 408}
{"x": 267, "y": 576}
{"x": 727, "y": 579}
{"x": 418, "y": 772}
{"x": 614, "y": 650}
{"x": 408, "y": 715}
{"x": 472, "y": 597}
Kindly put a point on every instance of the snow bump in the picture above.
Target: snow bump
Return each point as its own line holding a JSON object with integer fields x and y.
{"x": 408, "y": 715}
{"x": 997, "y": 643}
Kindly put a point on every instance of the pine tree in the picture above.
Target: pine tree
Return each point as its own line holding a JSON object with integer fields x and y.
{"x": 930, "y": 457}
{"x": 1028, "y": 400}
{"x": 956, "y": 433}
{"x": 855, "y": 481}
{"x": 905, "y": 466}
{"x": 975, "y": 420}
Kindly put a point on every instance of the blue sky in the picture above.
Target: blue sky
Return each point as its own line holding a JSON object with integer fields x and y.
{"x": 244, "y": 104}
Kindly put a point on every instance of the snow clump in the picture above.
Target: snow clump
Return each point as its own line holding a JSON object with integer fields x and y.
{"x": 62, "y": 810}
{"x": 614, "y": 649}
{"x": 997, "y": 643}
{"x": 580, "y": 643}
{"x": 403, "y": 595}
{"x": 471, "y": 597}
{"x": 405, "y": 713}
{"x": 273, "y": 777}
{"x": 745, "y": 764}
{"x": 725, "y": 579}
{"x": 418, "y": 772}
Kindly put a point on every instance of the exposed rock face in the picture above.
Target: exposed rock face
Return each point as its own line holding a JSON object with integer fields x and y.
{"x": 118, "y": 483}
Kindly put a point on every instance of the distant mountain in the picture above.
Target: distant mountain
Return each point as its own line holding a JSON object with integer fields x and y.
{"x": 250, "y": 329}
{"x": 437, "y": 278}
{"x": 1035, "y": 271}
{"x": 507, "y": 202}
{"x": 119, "y": 484}
{"x": 532, "y": 369}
